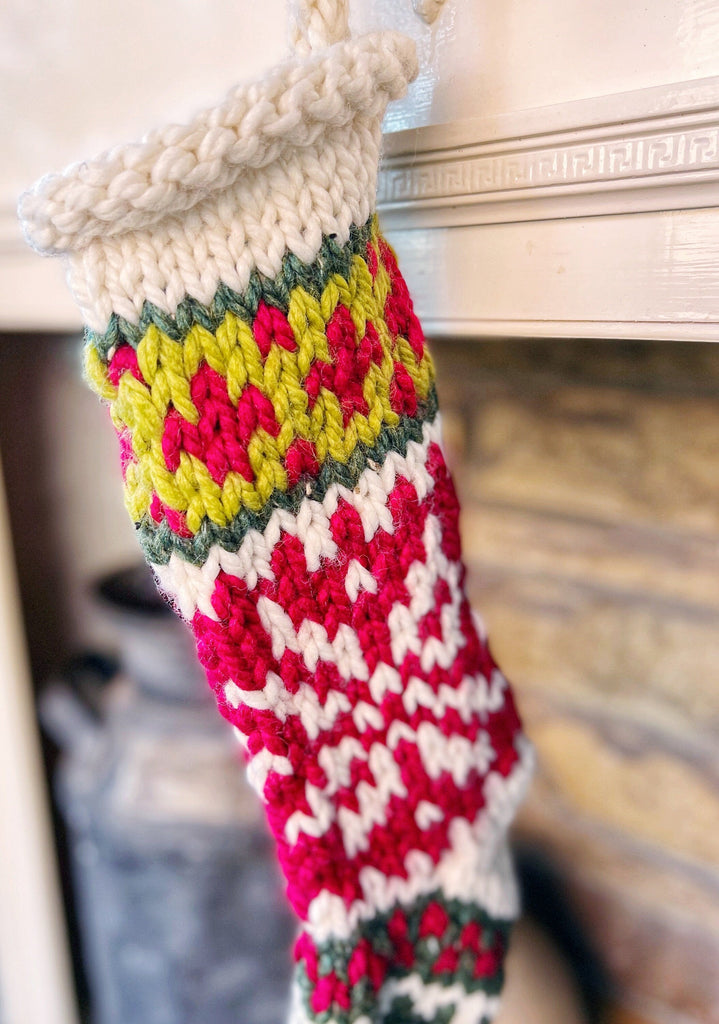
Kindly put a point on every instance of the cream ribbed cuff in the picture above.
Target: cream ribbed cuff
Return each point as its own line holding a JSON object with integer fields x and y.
{"x": 280, "y": 163}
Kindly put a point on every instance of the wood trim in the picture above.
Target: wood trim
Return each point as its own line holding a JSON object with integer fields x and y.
{"x": 35, "y": 976}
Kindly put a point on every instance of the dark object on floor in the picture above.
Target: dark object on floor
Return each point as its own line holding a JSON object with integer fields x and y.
{"x": 179, "y": 897}
{"x": 546, "y": 901}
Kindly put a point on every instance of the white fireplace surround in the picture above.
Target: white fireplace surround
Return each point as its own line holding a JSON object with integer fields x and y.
{"x": 596, "y": 218}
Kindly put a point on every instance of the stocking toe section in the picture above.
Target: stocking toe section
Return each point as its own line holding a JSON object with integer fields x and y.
{"x": 438, "y": 960}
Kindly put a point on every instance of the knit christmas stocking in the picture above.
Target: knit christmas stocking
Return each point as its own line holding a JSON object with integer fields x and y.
{"x": 281, "y": 451}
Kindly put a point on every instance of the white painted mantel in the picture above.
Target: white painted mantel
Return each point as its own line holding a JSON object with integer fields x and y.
{"x": 592, "y": 218}
{"x": 554, "y": 171}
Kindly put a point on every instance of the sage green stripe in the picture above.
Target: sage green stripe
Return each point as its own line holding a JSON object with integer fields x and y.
{"x": 334, "y": 957}
{"x": 331, "y": 259}
{"x": 401, "y": 1011}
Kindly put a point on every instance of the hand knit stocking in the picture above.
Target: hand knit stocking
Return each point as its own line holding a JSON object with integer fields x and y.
{"x": 281, "y": 451}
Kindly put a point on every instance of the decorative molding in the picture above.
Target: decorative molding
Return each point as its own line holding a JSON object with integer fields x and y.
{"x": 595, "y": 218}
{"x": 609, "y": 157}
{"x": 652, "y": 275}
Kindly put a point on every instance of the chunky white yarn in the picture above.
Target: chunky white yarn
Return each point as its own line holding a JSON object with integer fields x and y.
{"x": 135, "y": 185}
{"x": 321, "y": 190}
{"x": 316, "y": 24}
{"x": 280, "y": 163}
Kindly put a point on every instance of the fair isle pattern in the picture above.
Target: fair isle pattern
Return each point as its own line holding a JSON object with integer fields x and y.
{"x": 281, "y": 452}
{"x": 373, "y": 716}
{"x": 217, "y": 421}
{"x": 281, "y": 455}
{"x": 162, "y": 545}
{"x": 407, "y": 958}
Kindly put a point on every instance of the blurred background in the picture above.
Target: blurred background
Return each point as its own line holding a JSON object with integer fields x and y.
{"x": 550, "y": 186}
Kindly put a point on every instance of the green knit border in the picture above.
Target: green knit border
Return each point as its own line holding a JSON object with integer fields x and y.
{"x": 334, "y": 956}
{"x": 401, "y": 1011}
{"x": 331, "y": 259}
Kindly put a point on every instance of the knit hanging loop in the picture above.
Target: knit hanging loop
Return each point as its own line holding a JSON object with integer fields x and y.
{"x": 316, "y": 24}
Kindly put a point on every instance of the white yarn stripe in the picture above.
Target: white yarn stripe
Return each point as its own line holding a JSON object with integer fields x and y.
{"x": 259, "y": 766}
{"x": 428, "y": 999}
{"x": 359, "y": 578}
{"x": 373, "y": 801}
{"x": 421, "y": 580}
{"x": 311, "y": 642}
{"x": 473, "y": 696}
{"x": 427, "y": 814}
{"x": 366, "y": 716}
{"x": 277, "y": 164}
{"x": 385, "y": 679}
{"x": 476, "y": 868}
{"x": 305, "y": 703}
{"x": 455, "y": 755}
{"x": 440, "y": 753}
{"x": 315, "y": 717}
{"x": 262, "y": 763}
{"x": 191, "y": 586}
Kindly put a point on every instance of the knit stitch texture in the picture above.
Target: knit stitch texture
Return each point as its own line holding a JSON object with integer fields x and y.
{"x": 281, "y": 453}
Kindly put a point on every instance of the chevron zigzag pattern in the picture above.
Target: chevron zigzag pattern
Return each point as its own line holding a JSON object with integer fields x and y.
{"x": 379, "y": 732}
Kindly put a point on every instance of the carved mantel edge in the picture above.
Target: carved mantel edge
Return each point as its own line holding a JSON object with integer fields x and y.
{"x": 647, "y": 150}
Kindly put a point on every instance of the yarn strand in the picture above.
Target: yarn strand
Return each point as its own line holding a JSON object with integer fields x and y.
{"x": 316, "y": 24}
